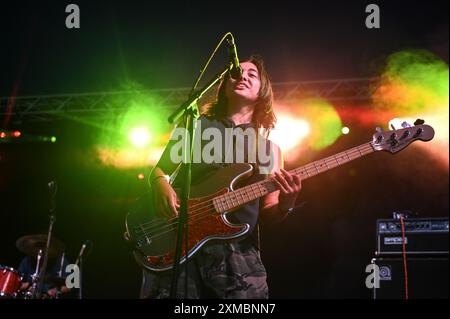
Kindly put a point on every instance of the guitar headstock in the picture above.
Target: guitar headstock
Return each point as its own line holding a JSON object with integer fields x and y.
{"x": 396, "y": 140}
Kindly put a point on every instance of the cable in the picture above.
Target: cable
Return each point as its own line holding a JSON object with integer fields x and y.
{"x": 202, "y": 71}
{"x": 405, "y": 269}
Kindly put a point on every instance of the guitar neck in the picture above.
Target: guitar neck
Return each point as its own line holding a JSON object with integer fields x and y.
{"x": 232, "y": 200}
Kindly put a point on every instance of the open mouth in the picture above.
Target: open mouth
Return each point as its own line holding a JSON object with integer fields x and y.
{"x": 241, "y": 86}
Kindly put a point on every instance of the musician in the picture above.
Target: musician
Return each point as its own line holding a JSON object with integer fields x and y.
{"x": 55, "y": 270}
{"x": 231, "y": 269}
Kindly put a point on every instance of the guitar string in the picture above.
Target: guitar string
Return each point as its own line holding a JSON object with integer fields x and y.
{"x": 192, "y": 218}
{"x": 195, "y": 213}
{"x": 307, "y": 167}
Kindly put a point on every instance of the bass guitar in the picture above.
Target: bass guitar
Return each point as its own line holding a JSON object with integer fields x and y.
{"x": 153, "y": 236}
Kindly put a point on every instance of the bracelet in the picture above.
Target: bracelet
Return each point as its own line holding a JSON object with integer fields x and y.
{"x": 157, "y": 177}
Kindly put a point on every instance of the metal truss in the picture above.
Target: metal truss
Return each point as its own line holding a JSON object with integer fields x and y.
{"x": 104, "y": 105}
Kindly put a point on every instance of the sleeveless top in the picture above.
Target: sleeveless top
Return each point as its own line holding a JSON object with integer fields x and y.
{"x": 249, "y": 213}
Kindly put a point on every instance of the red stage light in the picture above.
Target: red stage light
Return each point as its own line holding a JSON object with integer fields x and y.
{"x": 16, "y": 134}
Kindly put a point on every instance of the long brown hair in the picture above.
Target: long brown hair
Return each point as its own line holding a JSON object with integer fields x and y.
{"x": 263, "y": 115}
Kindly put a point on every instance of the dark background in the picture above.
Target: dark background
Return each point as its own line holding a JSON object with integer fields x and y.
{"x": 321, "y": 251}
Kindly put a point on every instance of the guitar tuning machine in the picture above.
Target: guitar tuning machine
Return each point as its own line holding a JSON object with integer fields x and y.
{"x": 379, "y": 136}
{"x": 406, "y": 124}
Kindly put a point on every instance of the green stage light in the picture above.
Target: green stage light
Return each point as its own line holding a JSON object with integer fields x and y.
{"x": 133, "y": 137}
{"x": 139, "y": 136}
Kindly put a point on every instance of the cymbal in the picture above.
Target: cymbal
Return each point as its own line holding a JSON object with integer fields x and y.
{"x": 31, "y": 244}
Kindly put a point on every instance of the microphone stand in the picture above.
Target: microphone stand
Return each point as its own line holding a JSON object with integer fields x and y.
{"x": 60, "y": 272}
{"x": 35, "y": 276}
{"x": 80, "y": 267}
{"x": 79, "y": 263}
{"x": 189, "y": 111}
{"x": 40, "y": 280}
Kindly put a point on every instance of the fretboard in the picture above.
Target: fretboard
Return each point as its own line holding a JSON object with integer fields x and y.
{"x": 246, "y": 194}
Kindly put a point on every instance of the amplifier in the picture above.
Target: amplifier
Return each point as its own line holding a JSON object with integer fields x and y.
{"x": 423, "y": 236}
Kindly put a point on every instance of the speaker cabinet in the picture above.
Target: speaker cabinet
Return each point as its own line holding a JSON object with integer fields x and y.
{"x": 427, "y": 278}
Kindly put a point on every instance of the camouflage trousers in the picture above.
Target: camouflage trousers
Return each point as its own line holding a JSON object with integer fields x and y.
{"x": 230, "y": 270}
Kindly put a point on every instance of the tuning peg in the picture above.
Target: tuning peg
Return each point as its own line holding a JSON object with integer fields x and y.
{"x": 419, "y": 122}
{"x": 406, "y": 124}
{"x": 379, "y": 129}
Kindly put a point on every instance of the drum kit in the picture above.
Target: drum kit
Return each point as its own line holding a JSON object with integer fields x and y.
{"x": 14, "y": 284}
{"x": 10, "y": 282}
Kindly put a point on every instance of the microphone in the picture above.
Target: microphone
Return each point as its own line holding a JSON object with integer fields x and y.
{"x": 236, "y": 70}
